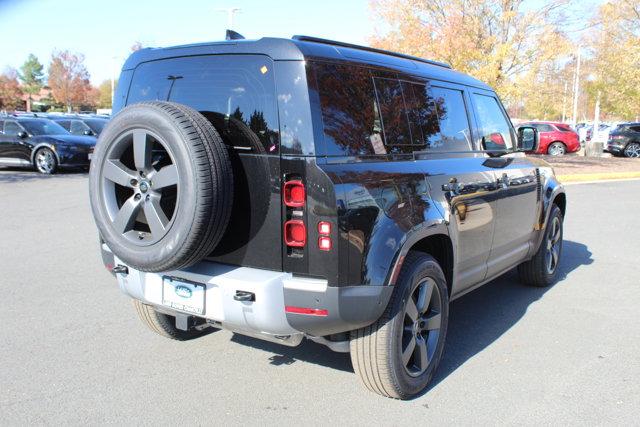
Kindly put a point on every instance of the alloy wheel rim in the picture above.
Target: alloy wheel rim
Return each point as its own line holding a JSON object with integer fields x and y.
{"x": 556, "y": 150}
{"x": 140, "y": 187}
{"x": 44, "y": 161}
{"x": 421, "y": 327}
{"x": 552, "y": 255}
{"x": 633, "y": 150}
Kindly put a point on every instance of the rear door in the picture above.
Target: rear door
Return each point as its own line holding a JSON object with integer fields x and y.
{"x": 460, "y": 181}
{"x": 518, "y": 181}
{"x": 237, "y": 95}
{"x": 14, "y": 148}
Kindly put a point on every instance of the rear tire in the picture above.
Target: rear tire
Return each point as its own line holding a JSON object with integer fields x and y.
{"x": 542, "y": 269}
{"x": 164, "y": 324}
{"x": 557, "y": 149}
{"x": 397, "y": 356}
{"x": 632, "y": 150}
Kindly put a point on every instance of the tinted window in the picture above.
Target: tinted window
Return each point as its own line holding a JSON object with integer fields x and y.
{"x": 423, "y": 119}
{"x": 78, "y": 128}
{"x": 96, "y": 125}
{"x": 64, "y": 123}
{"x": 545, "y": 128}
{"x": 495, "y": 131}
{"x": 392, "y": 111}
{"x": 11, "y": 128}
{"x": 44, "y": 127}
{"x": 564, "y": 128}
{"x": 350, "y": 116}
{"x": 454, "y": 125}
{"x": 634, "y": 128}
{"x": 236, "y": 94}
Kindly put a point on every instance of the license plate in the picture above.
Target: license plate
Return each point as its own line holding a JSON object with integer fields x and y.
{"x": 183, "y": 295}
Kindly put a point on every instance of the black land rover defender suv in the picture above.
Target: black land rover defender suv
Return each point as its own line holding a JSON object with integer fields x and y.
{"x": 305, "y": 188}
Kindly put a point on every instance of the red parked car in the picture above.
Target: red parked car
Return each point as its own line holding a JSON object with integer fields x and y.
{"x": 556, "y": 139}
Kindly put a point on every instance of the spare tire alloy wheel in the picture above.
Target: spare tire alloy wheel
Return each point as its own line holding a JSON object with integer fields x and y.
{"x": 161, "y": 186}
{"x": 141, "y": 217}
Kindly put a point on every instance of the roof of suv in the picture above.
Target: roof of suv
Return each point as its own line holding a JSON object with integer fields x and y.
{"x": 304, "y": 47}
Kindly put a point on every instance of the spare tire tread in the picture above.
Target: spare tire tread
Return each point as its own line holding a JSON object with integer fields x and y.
{"x": 212, "y": 189}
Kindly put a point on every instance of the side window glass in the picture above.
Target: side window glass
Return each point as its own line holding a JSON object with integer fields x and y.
{"x": 1, "y": 126}
{"x": 423, "y": 119}
{"x": 495, "y": 131}
{"x": 455, "y": 134}
{"x": 78, "y": 128}
{"x": 350, "y": 115}
{"x": 392, "y": 110}
{"x": 11, "y": 128}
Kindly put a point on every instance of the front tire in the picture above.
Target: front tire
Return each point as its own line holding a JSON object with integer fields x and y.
{"x": 397, "y": 355}
{"x": 542, "y": 269}
{"x": 45, "y": 161}
{"x": 632, "y": 150}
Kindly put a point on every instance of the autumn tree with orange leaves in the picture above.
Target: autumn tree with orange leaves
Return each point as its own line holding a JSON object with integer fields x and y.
{"x": 496, "y": 41}
{"x": 10, "y": 93}
{"x": 69, "y": 80}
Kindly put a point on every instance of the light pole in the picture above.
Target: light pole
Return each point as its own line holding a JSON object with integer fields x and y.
{"x": 576, "y": 89}
{"x": 230, "y": 11}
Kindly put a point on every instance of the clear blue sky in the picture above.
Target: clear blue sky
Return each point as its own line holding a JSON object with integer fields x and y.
{"x": 107, "y": 28}
{"x": 104, "y": 29}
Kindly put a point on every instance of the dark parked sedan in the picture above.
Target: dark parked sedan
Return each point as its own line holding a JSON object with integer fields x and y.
{"x": 43, "y": 144}
{"x": 625, "y": 140}
{"x": 88, "y": 126}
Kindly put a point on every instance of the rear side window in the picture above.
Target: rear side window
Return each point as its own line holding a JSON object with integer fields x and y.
{"x": 423, "y": 118}
{"x": 237, "y": 94}
{"x": 634, "y": 128}
{"x": 352, "y": 124}
{"x": 454, "y": 124}
{"x": 564, "y": 128}
{"x": 393, "y": 112}
{"x": 495, "y": 131}
{"x": 11, "y": 128}
{"x": 78, "y": 128}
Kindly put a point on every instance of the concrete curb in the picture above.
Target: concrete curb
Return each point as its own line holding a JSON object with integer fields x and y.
{"x": 597, "y": 176}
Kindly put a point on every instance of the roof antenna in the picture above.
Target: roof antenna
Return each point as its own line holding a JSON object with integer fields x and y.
{"x": 232, "y": 35}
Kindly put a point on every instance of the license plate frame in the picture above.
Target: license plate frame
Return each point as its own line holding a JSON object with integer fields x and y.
{"x": 183, "y": 295}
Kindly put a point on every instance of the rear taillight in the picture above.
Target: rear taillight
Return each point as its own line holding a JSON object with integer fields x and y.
{"x": 294, "y": 194}
{"x": 295, "y": 233}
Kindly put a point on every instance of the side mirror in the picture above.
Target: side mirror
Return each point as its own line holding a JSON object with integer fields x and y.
{"x": 88, "y": 132}
{"x": 527, "y": 138}
{"x": 22, "y": 134}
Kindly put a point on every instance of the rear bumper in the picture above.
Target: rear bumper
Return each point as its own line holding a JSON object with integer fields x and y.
{"x": 343, "y": 308}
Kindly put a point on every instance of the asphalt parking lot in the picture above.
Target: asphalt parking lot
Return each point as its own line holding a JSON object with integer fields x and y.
{"x": 73, "y": 351}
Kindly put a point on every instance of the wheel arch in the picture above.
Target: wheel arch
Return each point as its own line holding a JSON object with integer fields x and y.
{"x": 43, "y": 145}
{"x": 435, "y": 241}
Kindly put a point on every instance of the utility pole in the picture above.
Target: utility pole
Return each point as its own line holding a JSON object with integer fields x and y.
{"x": 230, "y": 11}
{"x": 576, "y": 89}
{"x": 564, "y": 101}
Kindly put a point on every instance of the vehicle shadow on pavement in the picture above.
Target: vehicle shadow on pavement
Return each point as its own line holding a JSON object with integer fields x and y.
{"x": 476, "y": 321}
{"x": 484, "y": 315}
{"x": 13, "y": 175}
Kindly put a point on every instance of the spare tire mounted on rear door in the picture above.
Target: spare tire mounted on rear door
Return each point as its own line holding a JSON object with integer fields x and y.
{"x": 161, "y": 186}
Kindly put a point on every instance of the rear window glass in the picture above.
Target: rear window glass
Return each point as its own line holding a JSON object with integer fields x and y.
{"x": 352, "y": 124}
{"x": 564, "y": 128}
{"x": 235, "y": 95}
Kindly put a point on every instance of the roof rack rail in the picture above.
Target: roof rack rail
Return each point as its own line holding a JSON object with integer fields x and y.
{"x": 369, "y": 49}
